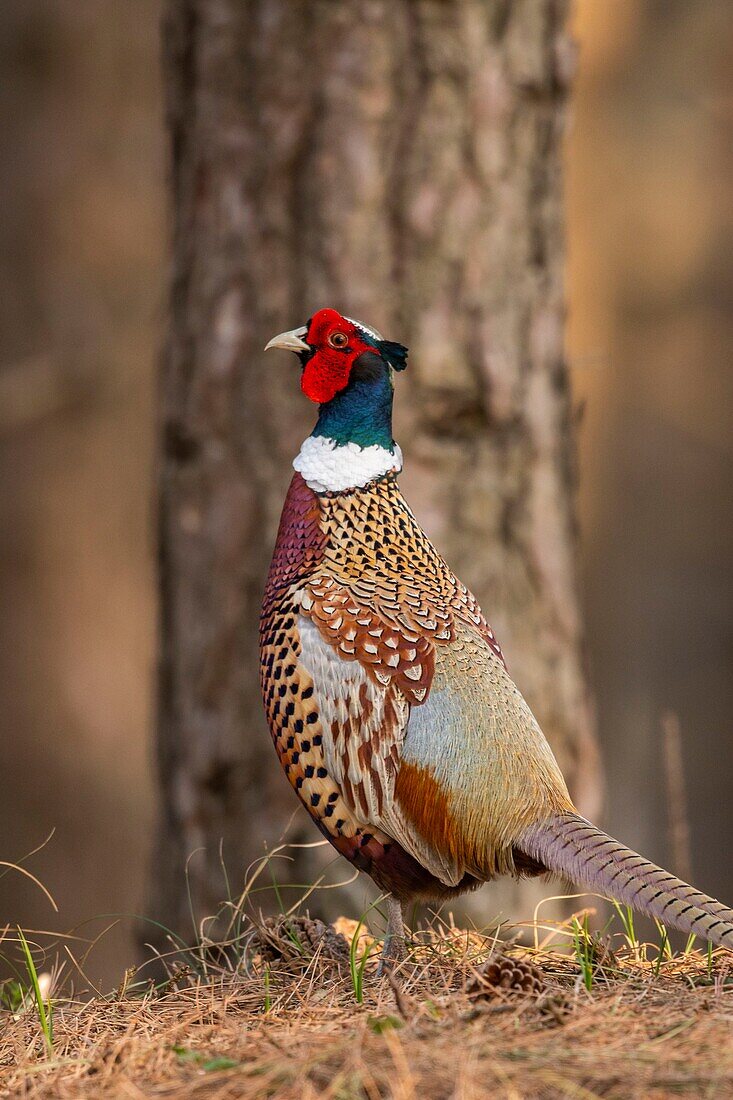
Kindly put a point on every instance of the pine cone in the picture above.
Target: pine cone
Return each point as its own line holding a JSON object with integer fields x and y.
{"x": 295, "y": 940}
{"x": 507, "y": 975}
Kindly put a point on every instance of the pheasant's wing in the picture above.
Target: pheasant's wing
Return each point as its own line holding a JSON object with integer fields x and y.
{"x": 372, "y": 659}
{"x": 364, "y": 723}
{"x": 424, "y": 731}
{"x": 455, "y": 780}
{"x": 369, "y": 646}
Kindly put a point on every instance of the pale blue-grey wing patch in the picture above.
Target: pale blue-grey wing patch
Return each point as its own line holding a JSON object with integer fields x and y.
{"x": 483, "y": 746}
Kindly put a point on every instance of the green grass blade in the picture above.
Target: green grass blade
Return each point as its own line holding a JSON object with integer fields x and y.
{"x": 45, "y": 1013}
{"x": 584, "y": 951}
{"x": 664, "y": 949}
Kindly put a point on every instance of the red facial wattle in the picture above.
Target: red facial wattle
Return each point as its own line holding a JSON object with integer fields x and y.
{"x": 328, "y": 369}
{"x": 327, "y": 372}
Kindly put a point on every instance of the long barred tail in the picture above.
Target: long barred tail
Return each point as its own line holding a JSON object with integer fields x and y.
{"x": 570, "y": 846}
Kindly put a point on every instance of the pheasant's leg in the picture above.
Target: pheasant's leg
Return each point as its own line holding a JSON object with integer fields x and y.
{"x": 393, "y": 951}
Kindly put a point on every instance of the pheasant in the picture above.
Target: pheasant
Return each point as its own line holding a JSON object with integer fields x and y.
{"x": 386, "y": 691}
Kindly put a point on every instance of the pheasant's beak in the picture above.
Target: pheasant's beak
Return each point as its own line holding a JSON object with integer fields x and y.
{"x": 290, "y": 341}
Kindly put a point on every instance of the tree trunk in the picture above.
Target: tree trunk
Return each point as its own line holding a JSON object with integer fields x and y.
{"x": 400, "y": 161}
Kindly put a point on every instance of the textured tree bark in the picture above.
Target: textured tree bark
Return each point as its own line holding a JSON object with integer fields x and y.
{"x": 399, "y": 160}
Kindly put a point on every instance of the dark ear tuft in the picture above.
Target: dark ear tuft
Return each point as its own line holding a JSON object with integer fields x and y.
{"x": 395, "y": 354}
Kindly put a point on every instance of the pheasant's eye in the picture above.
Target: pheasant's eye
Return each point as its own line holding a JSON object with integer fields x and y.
{"x": 338, "y": 339}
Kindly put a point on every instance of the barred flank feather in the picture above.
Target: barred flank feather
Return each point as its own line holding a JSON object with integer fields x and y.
{"x": 570, "y": 846}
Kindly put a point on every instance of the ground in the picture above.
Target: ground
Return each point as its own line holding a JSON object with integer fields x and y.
{"x": 298, "y": 1011}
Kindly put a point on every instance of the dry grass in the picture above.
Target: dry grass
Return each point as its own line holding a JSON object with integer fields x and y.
{"x": 281, "y": 1019}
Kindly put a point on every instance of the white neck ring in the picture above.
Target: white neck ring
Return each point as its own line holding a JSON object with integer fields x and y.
{"x": 330, "y": 467}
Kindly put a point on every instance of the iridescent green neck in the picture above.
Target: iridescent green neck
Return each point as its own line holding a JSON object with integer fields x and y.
{"x": 362, "y": 412}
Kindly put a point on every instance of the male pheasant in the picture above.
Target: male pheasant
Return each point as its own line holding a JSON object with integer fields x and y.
{"x": 386, "y": 691}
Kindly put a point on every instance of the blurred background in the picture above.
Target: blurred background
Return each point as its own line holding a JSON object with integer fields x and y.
{"x": 83, "y": 237}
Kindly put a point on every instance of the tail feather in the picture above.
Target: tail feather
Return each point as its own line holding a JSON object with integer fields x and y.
{"x": 570, "y": 846}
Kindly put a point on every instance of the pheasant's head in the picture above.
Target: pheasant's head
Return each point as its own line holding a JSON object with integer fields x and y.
{"x": 347, "y": 371}
{"x": 333, "y": 350}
